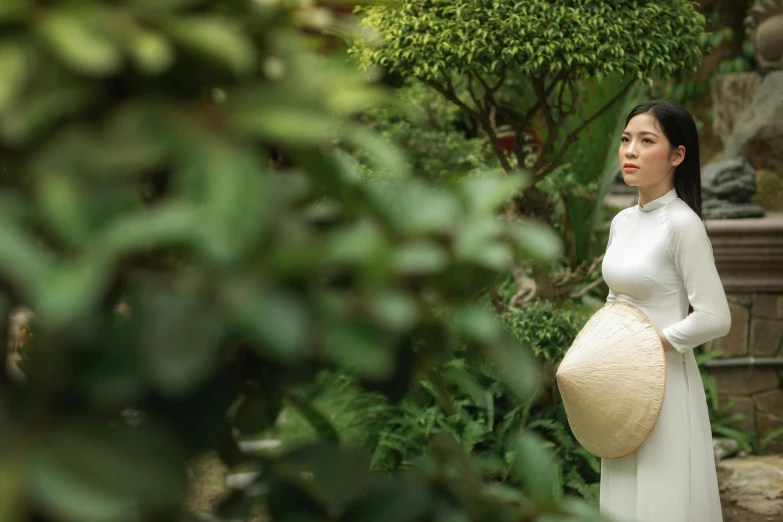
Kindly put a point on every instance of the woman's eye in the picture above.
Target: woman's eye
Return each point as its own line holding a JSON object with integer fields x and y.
{"x": 624, "y": 140}
{"x": 646, "y": 140}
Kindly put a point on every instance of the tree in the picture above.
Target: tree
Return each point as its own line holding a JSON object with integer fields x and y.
{"x": 185, "y": 286}
{"x": 526, "y": 67}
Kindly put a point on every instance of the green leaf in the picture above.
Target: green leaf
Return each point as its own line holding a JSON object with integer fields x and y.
{"x": 13, "y": 63}
{"x": 75, "y": 472}
{"x": 770, "y": 437}
{"x": 292, "y": 124}
{"x": 78, "y": 44}
{"x": 475, "y": 242}
{"x": 477, "y": 323}
{"x": 414, "y": 208}
{"x": 278, "y": 322}
{"x": 582, "y": 510}
{"x": 403, "y": 501}
{"x": 152, "y": 53}
{"x": 359, "y": 243}
{"x": 485, "y": 193}
{"x": 12, "y": 490}
{"x": 322, "y": 426}
{"x": 362, "y": 347}
{"x": 167, "y": 224}
{"x": 240, "y": 203}
{"x": 384, "y": 156}
{"x": 534, "y": 467}
{"x": 469, "y": 385}
{"x": 258, "y": 411}
{"x": 180, "y": 341}
{"x": 63, "y": 204}
{"x": 69, "y": 290}
{"x": 396, "y": 310}
{"x": 537, "y": 241}
{"x": 13, "y": 9}
{"x": 517, "y": 366}
{"x": 163, "y": 5}
{"x": 338, "y": 475}
{"x": 215, "y": 37}
{"x": 423, "y": 257}
{"x": 22, "y": 260}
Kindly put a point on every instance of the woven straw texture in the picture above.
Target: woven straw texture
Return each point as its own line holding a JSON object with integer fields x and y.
{"x": 612, "y": 380}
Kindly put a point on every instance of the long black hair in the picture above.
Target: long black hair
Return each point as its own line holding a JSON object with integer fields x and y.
{"x": 679, "y": 128}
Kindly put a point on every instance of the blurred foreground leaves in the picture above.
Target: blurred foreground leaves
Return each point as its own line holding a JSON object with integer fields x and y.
{"x": 177, "y": 207}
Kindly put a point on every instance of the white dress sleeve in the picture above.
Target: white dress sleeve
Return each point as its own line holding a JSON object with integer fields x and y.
{"x": 691, "y": 250}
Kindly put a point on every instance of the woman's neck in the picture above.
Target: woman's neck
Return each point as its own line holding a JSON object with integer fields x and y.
{"x": 648, "y": 194}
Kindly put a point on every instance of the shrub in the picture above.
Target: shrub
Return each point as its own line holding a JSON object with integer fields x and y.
{"x": 467, "y": 400}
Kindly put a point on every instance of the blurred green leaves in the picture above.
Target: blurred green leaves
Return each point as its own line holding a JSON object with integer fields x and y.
{"x": 88, "y": 472}
{"x": 185, "y": 219}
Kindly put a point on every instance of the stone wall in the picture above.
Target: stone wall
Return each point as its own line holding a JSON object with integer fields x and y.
{"x": 756, "y": 331}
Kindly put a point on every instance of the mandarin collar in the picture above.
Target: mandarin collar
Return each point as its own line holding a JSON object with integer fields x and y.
{"x": 658, "y": 203}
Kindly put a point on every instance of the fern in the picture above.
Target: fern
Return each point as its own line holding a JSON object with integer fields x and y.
{"x": 769, "y": 438}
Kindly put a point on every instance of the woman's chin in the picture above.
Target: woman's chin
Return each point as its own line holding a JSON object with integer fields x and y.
{"x": 630, "y": 180}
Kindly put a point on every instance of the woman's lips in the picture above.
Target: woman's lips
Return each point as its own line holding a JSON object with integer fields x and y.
{"x": 630, "y": 167}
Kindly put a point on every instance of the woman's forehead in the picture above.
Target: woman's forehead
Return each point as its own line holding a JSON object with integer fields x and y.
{"x": 643, "y": 124}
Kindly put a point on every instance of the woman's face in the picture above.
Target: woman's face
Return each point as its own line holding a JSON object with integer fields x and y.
{"x": 646, "y": 159}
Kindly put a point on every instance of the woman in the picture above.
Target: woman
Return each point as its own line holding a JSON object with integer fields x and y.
{"x": 659, "y": 258}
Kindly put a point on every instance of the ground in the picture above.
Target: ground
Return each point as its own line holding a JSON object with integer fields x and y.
{"x": 209, "y": 484}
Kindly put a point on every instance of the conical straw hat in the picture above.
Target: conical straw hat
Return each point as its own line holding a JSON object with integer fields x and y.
{"x": 612, "y": 380}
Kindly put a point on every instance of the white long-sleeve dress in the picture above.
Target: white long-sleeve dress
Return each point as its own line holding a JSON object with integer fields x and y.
{"x": 660, "y": 259}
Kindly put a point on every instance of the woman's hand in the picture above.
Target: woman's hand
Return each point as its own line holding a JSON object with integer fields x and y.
{"x": 667, "y": 346}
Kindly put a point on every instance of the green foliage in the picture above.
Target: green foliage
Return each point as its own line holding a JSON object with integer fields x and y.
{"x": 141, "y": 141}
{"x": 425, "y": 127}
{"x": 590, "y": 167}
{"x": 537, "y": 77}
{"x": 467, "y": 400}
{"x": 547, "y": 329}
{"x": 434, "y": 40}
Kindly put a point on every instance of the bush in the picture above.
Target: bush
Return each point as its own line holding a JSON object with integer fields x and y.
{"x": 467, "y": 400}
{"x": 426, "y": 128}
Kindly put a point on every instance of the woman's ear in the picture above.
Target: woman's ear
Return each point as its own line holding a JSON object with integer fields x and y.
{"x": 678, "y": 156}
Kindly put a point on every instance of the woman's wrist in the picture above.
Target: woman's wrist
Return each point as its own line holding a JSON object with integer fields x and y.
{"x": 667, "y": 346}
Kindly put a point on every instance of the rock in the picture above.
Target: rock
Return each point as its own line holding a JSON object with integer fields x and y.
{"x": 731, "y": 94}
{"x": 754, "y": 483}
{"x": 724, "y": 447}
{"x": 770, "y": 190}
{"x": 764, "y": 28}
{"x": 727, "y": 187}
{"x": 718, "y": 209}
{"x": 758, "y": 131}
{"x": 730, "y": 179}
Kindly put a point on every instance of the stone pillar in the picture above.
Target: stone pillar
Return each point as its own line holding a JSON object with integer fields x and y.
{"x": 749, "y": 257}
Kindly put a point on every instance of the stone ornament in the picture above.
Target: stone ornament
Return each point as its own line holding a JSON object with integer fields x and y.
{"x": 764, "y": 27}
{"x": 727, "y": 188}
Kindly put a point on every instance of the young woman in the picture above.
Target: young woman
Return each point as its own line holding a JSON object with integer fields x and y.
{"x": 659, "y": 258}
